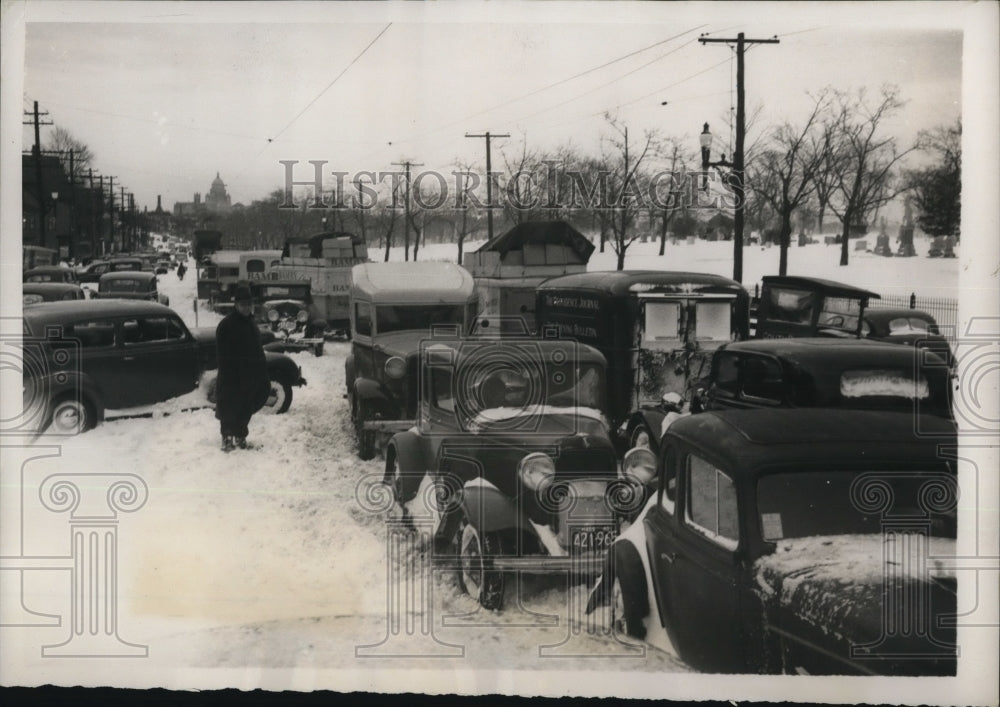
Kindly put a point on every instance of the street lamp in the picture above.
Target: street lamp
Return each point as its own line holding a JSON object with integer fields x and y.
{"x": 705, "y": 139}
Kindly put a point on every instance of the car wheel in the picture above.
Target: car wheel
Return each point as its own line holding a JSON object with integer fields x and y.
{"x": 71, "y": 416}
{"x": 279, "y": 400}
{"x": 628, "y": 594}
{"x": 641, "y": 437}
{"x": 366, "y": 438}
{"x": 482, "y": 584}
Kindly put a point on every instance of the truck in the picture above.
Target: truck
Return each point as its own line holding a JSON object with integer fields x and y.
{"x": 325, "y": 261}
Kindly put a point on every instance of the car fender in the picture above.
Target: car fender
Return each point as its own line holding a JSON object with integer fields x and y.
{"x": 80, "y": 385}
{"x": 406, "y": 447}
{"x": 489, "y": 510}
{"x": 652, "y": 419}
{"x": 370, "y": 394}
{"x": 283, "y": 369}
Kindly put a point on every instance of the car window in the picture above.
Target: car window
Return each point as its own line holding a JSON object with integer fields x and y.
{"x": 761, "y": 379}
{"x": 92, "y": 334}
{"x": 787, "y": 305}
{"x": 727, "y": 373}
{"x": 663, "y": 321}
{"x": 123, "y": 285}
{"x": 31, "y": 298}
{"x": 840, "y": 313}
{"x": 879, "y": 382}
{"x": 711, "y": 503}
{"x": 442, "y": 395}
{"x": 363, "y": 318}
{"x": 147, "y": 330}
{"x": 907, "y": 325}
{"x": 712, "y": 321}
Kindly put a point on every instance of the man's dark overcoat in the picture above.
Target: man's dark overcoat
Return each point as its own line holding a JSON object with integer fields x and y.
{"x": 242, "y": 386}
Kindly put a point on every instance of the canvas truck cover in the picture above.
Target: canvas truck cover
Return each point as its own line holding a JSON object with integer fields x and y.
{"x": 406, "y": 283}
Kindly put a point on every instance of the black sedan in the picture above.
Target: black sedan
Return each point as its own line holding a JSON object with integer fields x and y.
{"x": 799, "y": 541}
{"x": 912, "y": 327}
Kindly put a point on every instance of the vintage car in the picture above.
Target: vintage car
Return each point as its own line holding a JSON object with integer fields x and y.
{"x": 512, "y": 435}
{"x": 94, "y": 271}
{"x": 51, "y": 273}
{"x": 655, "y": 328}
{"x": 130, "y": 285}
{"x": 395, "y": 306}
{"x": 111, "y": 355}
{"x": 912, "y": 327}
{"x": 162, "y": 266}
{"x": 808, "y": 306}
{"x": 830, "y": 373}
{"x": 283, "y": 307}
{"x": 38, "y": 292}
{"x": 799, "y": 541}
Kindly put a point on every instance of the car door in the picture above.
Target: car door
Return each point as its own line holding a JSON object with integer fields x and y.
{"x": 98, "y": 355}
{"x": 692, "y": 548}
{"x": 159, "y": 358}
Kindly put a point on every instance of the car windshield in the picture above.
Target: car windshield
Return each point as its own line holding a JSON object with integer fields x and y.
{"x": 283, "y": 292}
{"x": 503, "y": 390}
{"x": 790, "y": 305}
{"x": 802, "y": 504}
{"x": 421, "y": 317}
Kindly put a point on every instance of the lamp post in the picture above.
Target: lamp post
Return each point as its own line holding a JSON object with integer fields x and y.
{"x": 705, "y": 139}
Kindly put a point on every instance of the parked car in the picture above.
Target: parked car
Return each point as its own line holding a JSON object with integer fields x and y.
{"x": 656, "y": 328}
{"x": 800, "y": 541}
{"x": 912, "y": 327}
{"x": 130, "y": 285}
{"x": 809, "y": 306}
{"x": 37, "y": 292}
{"x": 283, "y": 307}
{"x": 830, "y": 373}
{"x": 395, "y": 306}
{"x": 516, "y": 430}
{"x": 162, "y": 266}
{"x": 115, "y": 354}
{"x": 51, "y": 273}
{"x": 94, "y": 271}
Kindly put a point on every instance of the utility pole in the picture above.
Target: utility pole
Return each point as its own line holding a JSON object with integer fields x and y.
{"x": 36, "y": 151}
{"x": 406, "y": 226}
{"x": 111, "y": 210}
{"x": 738, "y": 167}
{"x": 126, "y": 246}
{"x": 489, "y": 181}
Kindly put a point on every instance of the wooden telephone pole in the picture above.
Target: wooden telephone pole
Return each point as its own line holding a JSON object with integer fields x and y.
{"x": 489, "y": 181}
{"x": 738, "y": 168}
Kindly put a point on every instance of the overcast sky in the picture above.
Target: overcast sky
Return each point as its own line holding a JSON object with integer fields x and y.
{"x": 165, "y": 99}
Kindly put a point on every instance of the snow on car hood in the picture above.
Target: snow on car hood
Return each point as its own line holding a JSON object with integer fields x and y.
{"x": 836, "y": 583}
{"x": 490, "y": 417}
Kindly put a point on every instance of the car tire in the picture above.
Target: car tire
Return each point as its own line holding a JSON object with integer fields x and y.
{"x": 282, "y": 398}
{"x": 366, "y": 438}
{"x": 629, "y": 604}
{"x": 71, "y": 416}
{"x": 484, "y": 585}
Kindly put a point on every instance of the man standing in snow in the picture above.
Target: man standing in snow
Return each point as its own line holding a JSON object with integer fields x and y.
{"x": 242, "y": 386}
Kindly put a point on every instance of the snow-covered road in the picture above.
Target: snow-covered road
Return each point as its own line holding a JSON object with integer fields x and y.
{"x": 271, "y": 558}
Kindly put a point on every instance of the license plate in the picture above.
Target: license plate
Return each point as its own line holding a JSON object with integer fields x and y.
{"x": 594, "y": 538}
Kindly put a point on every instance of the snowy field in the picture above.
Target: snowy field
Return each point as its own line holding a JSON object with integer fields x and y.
{"x": 268, "y": 559}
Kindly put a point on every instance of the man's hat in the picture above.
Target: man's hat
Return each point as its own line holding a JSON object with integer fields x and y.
{"x": 242, "y": 293}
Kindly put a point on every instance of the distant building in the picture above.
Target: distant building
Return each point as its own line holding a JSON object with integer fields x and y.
{"x": 217, "y": 201}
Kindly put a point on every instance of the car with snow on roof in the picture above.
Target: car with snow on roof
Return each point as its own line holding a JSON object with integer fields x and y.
{"x": 393, "y": 307}
{"x": 910, "y": 327}
{"x": 801, "y": 541}
{"x": 512, "y": 436}
{"x": 38, "y": 292}
{"x": 51, "y": 273}
{"x": 98, "y": 359}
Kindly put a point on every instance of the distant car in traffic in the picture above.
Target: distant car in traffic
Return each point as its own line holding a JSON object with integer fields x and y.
{"x": 50, "y": 273}
{"x": 118, "y": 354}
{"x": 796, "y": 541}
{"x": 130, "y": 285}
{"x": 912, "y": 327}
{"x": 162, "y": 266}
{"x": 38, "y": 292}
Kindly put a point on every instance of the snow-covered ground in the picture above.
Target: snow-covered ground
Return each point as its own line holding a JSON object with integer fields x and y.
{"x": 272, "y": 558}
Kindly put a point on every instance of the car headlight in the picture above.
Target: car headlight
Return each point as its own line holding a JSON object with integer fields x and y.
{"x": 272, "y": 315}
{"x": 640, "y": 464}
{"x": 535, "y": 469}
{"x": 302, "y": 316}
{"x": 395, "y": 367}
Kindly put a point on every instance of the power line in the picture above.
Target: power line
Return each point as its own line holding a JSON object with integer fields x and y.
{"x": 330, "y": 85}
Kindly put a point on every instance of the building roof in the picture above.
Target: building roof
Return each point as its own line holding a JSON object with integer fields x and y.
{"x": 418, "y": 282}
{"x": 541, "y": 233}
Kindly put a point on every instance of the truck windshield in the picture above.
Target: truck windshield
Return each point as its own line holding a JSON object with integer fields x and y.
{"x": 409, "y": 317}
{"x": 814, "y": 503}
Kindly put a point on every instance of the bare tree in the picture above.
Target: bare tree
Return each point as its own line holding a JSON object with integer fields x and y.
{"x": 466, "y": 212}
{"x": 625, "y": 182}
{"x": 676, "y": 159}
{"x": 63, "y": 141}
{"x": 864, "y": 159}
{"x": 784, "y": 171}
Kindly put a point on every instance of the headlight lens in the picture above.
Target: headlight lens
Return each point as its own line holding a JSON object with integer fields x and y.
{"x": 535, "y": 469}
{"x": 272, "y": 315}
{"x": 395, "y": 367}
{"x": 640, "y": 464}
{"x": 302, "y": 316}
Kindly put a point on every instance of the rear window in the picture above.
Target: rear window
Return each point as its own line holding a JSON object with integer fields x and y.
{"x": 124, "y": 285}
{"x": 909, "y": 325}
{"x": 872, "y": 382}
